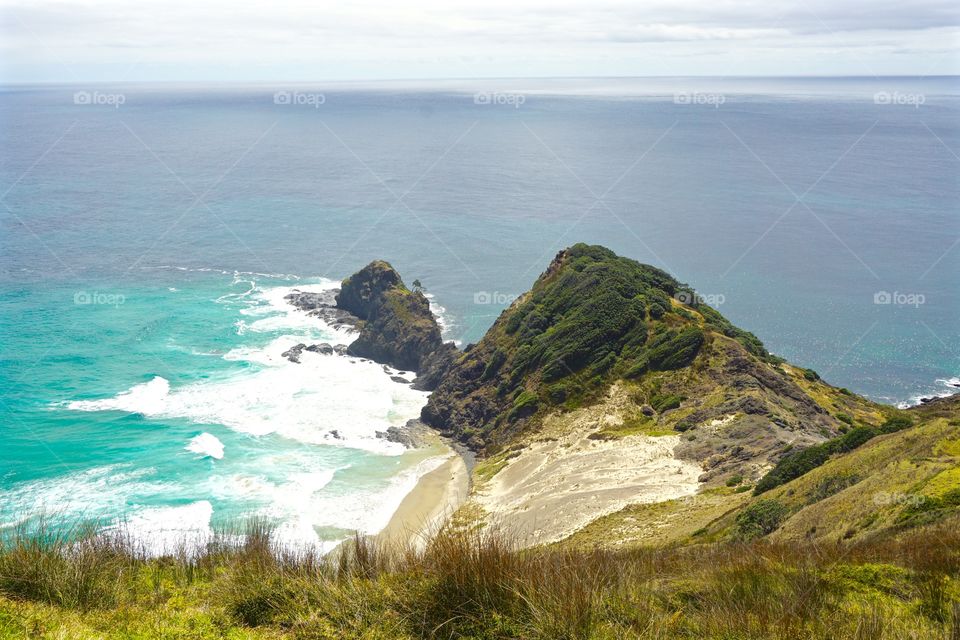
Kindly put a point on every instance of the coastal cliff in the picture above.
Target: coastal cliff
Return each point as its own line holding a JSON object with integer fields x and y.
{"x": 396, "y": 325}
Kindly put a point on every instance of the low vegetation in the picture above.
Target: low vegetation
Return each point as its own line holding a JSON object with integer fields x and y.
{"x": 796, "y": 463}
{"x": 472, "y": 585}
{"x": 591, "y": 319}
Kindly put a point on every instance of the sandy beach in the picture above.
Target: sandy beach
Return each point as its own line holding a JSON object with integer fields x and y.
{"x": 431, "y": 502}
{"x": 564, "y": 478}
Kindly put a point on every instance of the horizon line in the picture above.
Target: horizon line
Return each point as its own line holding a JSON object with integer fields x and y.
{"x": 486, "y": 78}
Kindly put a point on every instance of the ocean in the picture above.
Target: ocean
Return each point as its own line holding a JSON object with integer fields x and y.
{"x": 149, "y": 234}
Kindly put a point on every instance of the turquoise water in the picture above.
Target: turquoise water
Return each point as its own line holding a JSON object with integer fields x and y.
{"x": 171, "y": 407}
{"x": 145, "y": 250}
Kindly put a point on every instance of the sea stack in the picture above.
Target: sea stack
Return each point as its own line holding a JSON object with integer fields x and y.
{"x": 396, "y": 325}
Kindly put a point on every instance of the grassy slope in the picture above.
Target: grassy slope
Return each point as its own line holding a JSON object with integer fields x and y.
{"x": 889, "y": 484}
{"x": 476, "y": 587}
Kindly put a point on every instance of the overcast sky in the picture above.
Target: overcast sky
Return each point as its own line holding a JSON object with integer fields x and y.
{"x": 142, "y": 40}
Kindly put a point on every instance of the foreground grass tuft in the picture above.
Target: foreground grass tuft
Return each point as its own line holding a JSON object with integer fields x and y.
{"x": 476, "y": 585}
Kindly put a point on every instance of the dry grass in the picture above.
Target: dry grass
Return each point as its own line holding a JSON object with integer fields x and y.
{"x": 475, "y": 585}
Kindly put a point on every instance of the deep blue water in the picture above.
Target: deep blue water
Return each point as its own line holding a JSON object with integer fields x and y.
{"x": 184, "y": 212}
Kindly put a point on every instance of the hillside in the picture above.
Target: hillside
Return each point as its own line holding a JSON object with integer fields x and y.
{"x": 609, "y": 407}
{"x": 593, "y": 318}
{"x": 880, "y": 489}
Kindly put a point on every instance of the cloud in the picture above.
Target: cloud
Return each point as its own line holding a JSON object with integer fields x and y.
{"x": 91, "y": 37}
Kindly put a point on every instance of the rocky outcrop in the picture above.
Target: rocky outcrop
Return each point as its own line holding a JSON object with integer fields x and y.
{"x": 293, "y": 353}
{"x": 585, "y": 322}
{"x": 323, "y": 304}
{"x": 396, "y": 325}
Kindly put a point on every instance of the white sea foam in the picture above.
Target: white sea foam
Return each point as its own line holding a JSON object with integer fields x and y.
{"x": 440, "y": 313}
{"x": 226, "y": 272}
{"x": 274, "y": 313}
{"x": 206, "y": 445}
{"x": 147, "y": 398}
{"x": 332, "y": 400}
{"x": 369, "y": 512}
{"x": 945, "y": 387}
{"x": 953, "y": 383}
{"x": 159, "y": 531}
{"x": 82, "y": 495}
{"x": 323, "y": 399}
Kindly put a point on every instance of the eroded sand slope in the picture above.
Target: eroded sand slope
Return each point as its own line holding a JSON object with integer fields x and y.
{"x": 563, "y": 479}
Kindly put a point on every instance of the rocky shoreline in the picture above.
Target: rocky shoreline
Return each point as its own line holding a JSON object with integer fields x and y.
{"x": 396, "y": 329}
{"x": 395, "y": 324}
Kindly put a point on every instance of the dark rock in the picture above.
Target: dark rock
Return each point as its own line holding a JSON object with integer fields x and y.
{"x": 322, "y": 348}
{"x": 362, "y": 294}
{"x": 413, "y": 435}
{"x": 293, "y": 353}
{"x": 647, "y": 410}
{"x": 400, "y": 379}
{"x": 323, "y": 305}
{"x": 435, "y": 366}
{"x": 397, "y": 325}
{"x": 309, "y": 300}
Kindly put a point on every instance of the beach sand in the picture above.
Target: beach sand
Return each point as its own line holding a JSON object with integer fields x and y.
{"x": 564, "y": 478}
{"x": 428, "y": 506}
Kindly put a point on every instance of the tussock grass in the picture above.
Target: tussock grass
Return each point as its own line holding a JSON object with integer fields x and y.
{"x": 475, "y": 584}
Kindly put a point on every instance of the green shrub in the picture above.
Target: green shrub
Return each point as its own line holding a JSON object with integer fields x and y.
{"x": 796, "y": 464}
{"x": 898, "y": 423}
{"x": 493, "y": 366}
{"x": 850, "y": 440}
{"x": 928, "y": 508}
{"x": 665, "y": 402}
{"x": 525, "y": 405}
{"x": 557, "y": 393}
{"x": 749, "y": 341}
{"x": 793, "y": 465}
{"x": 760, "y": 518}
{"x": 675, "y": 350}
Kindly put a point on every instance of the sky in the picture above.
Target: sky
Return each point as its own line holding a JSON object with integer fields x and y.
{"x": 295, "y": 40}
